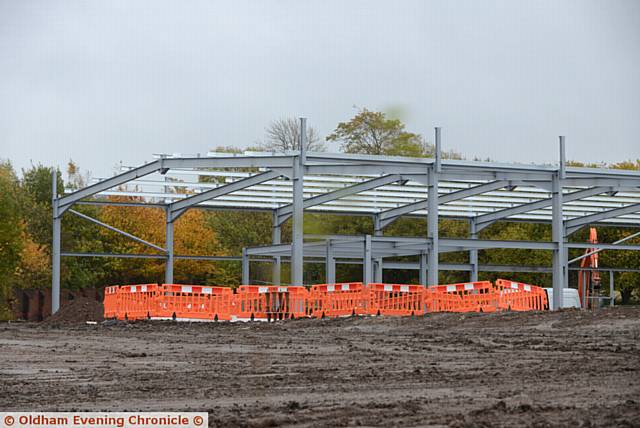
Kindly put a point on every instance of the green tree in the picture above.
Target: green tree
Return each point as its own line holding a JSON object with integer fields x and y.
{"x": 11, "y": 244}
{"x": 372, "y": 133}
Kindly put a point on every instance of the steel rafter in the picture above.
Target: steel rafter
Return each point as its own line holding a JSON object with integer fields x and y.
{"x": 576, "y": 223}
{"x": 178, "y": 208}
{"x": 485, "y": 220}
{"x": 388, "y": 216}
{"x": 284, "y": 212}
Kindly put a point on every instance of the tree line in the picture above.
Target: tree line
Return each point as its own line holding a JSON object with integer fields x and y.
{"x": 25, "y": 227}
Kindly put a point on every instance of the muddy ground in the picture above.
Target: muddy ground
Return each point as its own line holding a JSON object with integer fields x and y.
{"x": 570, "y": 369}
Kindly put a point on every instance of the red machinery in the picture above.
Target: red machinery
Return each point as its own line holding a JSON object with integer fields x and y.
{"x": 589, "y": 277}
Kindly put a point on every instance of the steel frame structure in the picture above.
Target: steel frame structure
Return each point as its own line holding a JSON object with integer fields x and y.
{"x": 385, "y": 188}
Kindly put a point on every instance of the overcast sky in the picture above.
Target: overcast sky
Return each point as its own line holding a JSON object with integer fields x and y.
{"x": 109, "y": 81}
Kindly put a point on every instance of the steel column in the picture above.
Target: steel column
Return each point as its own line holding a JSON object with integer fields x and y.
{"x": 276, "y": 239}
{"x": 297, "y": 242}
{"x": 330, "y": 264}
{"x": 366, "y": 267}
{"x": 557, "y": 231}
{"x": 612, "y": 296}
{"x": 432, "y": 217}
{"x": 168, "y": 271}
{"x": 377, "y": 265}
{"x": 245, "y": 267}
{"x": 473, "y": 254}
{"x": 55, "y": 245}
{"x": 423, "y": 268}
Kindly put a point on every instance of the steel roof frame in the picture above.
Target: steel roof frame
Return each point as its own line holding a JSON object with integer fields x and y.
{"x": 283, "y": 183}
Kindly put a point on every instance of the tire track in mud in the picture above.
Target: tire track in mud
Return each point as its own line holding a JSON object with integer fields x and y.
{"x": 506, "y": 369}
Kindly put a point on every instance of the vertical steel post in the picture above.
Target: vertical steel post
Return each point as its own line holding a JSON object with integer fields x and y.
{"x": 330, "y": 266}
{"x": 245, "y": 267}
{"x": 377, "y": 265}
{"x": 558, "y": 233}
{"x": 423, "y": 268}
{"x": 297, "y": 242}
{"x": 168, "y": 270}
{"x": 276, "y": 239}
{"x": 432, "y": 218}
{"x": 55, "y": 245}
{"x": 611, "y": 290}
{"x": 473, "y": 254}
{"x": 366, "y": 259}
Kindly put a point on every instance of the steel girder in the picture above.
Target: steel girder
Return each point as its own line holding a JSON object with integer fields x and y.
{"x": 176, "y": 209}
{"x": 285, "y": 211}
{"x": 485, "y": 220}
{"x": 165, "y": 164}
{"x": 576, "y": 223}
{"x": 388, "y": 216}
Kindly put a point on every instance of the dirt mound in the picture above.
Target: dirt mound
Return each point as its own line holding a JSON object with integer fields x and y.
{"x": 78, "y": 310}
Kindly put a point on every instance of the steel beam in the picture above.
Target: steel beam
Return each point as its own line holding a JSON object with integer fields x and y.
{"x": 232, "y": 161}
{"x": 165, "y": 164}
{"x": 576, "y": 223}
{"x": 619, "y": 241}
{"x": 116, "y": 230}
{"x": 388, "y": 216}
{"x": 588, "y": 245}
{"x": 121, "y": 204}
{"x": 285, "y": 211}
{"x": 68, "y": 200}
{"x": 485, "y": 220}
{"x": 176, "y": 209}
{"x": 364, "y": 169}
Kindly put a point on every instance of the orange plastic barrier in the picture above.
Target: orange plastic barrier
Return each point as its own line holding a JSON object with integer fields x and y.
{"x": 195, "y": 302}
{"x": 517, "y": 296}
{"x": 136, "y": 302}
{"x": 335, "y": 300}
{"x": 395, "y": 299}
{"x": 254, "y": 302}
{"x": 463, "y": 297}
{"x": 110, "y": 302}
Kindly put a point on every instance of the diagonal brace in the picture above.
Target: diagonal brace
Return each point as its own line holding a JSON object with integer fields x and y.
{"x": 176, "y": 209}
{"x": 114, "y": 229}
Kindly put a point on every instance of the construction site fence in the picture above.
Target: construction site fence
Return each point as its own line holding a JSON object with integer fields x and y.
{"x": 267, "y": 303}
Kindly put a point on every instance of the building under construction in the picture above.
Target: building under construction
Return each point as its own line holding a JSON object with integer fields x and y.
{"x": 385, "y": 188}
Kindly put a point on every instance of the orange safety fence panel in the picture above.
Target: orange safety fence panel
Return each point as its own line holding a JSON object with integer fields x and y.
{"x": 193, "y": 302}
{"x": 110, "y": 302}
{"x": 395, "y": 299}
{"x": 334, "y": 300}
{"x": 254, "y": 302}
{"x": 136, "y": 302}
{"x": 518, "y": 296}
{"x": 478, "y": 296}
